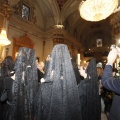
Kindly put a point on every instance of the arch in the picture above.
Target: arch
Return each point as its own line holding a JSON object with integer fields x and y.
{"x": 23, "y": 41}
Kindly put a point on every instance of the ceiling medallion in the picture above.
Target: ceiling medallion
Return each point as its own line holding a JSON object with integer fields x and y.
{"x": 96, "y": 10}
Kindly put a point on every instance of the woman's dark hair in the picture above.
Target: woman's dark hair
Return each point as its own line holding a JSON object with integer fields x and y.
{"x": 7, "y": 66}
{"x": 38, "y": 59}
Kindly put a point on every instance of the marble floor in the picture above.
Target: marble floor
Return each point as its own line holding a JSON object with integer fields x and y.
{"x": 103, "y": 116}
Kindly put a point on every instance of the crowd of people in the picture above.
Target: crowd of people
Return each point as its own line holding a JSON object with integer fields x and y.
{"x": 58, "y": 89}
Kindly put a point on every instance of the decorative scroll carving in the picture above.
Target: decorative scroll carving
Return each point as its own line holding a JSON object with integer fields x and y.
{"x": 5, "y": 9}
{"x": 23, "y": 41}
{"x": 17, "y": 9}
{"x": 13, "y": 2}
{"x": 58, "y": 38}
{"x": 61, "y": 3}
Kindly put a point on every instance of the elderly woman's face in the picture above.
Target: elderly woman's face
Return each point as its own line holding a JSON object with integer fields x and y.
{"x": 99, "y": 71}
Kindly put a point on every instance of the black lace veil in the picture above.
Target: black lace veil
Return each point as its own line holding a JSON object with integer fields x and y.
{"x": 7, "y": 66}
{"x": 58, "y": 98}
{"x": 76, "y": 70}
{"x": 91, "y": 105}
{"x": 25, "y": 85}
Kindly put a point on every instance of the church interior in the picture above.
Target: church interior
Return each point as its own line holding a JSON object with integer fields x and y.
{"x": 41, "y": 24}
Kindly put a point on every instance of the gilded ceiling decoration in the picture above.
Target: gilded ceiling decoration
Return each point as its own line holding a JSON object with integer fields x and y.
{"x": 61, "y": 3}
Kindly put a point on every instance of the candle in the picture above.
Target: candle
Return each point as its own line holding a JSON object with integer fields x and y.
{"x": 78, "y": 57}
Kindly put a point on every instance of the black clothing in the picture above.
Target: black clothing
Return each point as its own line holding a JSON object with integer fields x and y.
{"x": 1, "y": 103}
{"x": 113, "y": 84}
{"x": 40, "y": 75}
{"x": 7, "y": 66}
{"x": 58, "y": 98}
{"x": 76, "y": 70}
{"x": 89, "y": 94}
{"x": 25, "y": 85}
{"x": 9, "y": 85}
{"x": 107, "y": 96}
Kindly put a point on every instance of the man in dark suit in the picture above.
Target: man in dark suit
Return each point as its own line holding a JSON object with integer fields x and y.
{"x": 112, "y": 83}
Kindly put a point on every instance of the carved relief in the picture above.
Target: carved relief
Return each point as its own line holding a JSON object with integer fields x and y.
{"x": 58, "y": 38}
{"x": 61, "y": 3}
{"x": 5, "y": 9}
{"x": 13, "y": 2}
{"x": 17, "y": 8}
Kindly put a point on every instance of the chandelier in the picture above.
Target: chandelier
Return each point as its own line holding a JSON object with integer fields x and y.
{"x": 3, "y": 38}
{"x": 96, "y": 10}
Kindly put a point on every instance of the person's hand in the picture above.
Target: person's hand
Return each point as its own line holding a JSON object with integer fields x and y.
{"x": 82, "y": 72}
{"x": 112, "y": 56}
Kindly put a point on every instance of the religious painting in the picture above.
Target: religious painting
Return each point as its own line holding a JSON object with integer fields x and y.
{"x": 99, "y": 42}
{"x": 25, "y": 11}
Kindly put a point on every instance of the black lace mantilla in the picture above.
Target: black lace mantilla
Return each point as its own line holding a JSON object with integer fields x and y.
{"x": 25, "y": 85}
{"x": 91, "y": 104}
{"x": 57, "y": 98}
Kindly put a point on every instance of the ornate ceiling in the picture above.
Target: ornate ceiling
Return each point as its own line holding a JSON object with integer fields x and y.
{"x": 66, "y": 12}
{"x": 61, "y": 3}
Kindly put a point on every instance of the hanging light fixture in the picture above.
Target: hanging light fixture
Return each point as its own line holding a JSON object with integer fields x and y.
{"x": 3, "y": 38}
{"x": 96, "y": 10}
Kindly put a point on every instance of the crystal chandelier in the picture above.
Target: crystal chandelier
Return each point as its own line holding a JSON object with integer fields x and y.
{"x": 96, "y": 10}
{"x": 3, "y": 38}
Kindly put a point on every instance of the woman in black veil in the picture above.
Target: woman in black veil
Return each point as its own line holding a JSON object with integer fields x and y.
{"x": 58, "y": 97}
{"x": 76, "y": 70}
{"x": 6, "y": 83}
{"x": 89, "y": 93}
{"x": 25, "y": 85}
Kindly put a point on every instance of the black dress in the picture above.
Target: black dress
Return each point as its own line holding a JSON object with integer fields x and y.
{"x": 40, "y": 75}
{"x": 9, "y": 84}
{"x": 1, "y": 103}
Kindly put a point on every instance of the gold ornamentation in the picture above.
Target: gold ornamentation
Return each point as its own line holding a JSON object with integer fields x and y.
{"x": 96, "y": 10}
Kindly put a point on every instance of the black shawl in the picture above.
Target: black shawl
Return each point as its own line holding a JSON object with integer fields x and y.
{"x": 58, "y": 98}
{"x": 90, "y": 99}
{"x": 25, "y": 85}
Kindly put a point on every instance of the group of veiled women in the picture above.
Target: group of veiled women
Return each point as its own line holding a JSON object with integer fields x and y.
{"x": 62, "y": 95}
